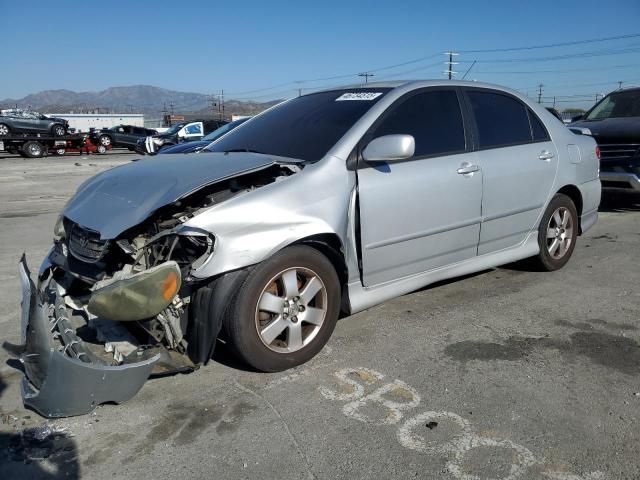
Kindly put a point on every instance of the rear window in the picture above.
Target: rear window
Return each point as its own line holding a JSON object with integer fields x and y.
{"x": 501, "y": 120}
{"x": 537, "y": 128}
{"x": 304, "y": 128}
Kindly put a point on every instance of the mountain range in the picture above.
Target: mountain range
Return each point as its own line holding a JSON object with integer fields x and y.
{"x": 145, "y": 99}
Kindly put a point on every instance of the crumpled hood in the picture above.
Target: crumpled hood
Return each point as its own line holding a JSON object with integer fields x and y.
{"x": 118, "y": 199}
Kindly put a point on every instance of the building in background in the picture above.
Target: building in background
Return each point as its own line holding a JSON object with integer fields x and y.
{"x": 82, "y": 122}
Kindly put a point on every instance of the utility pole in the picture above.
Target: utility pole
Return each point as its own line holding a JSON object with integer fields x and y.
{"x": 554, "y": 102}
{"x": 171, "y": 107}
{"x": 620, "y": 85}
{"x": 222, "y": 104}
{"x": 165, "y": 117}
{"x": 449, "y": 71}
{"x": 540, "y": 93}
{"x": 299, "y": 92}
{"x": 214, "y": 104}
{"x": 366, "y": 76}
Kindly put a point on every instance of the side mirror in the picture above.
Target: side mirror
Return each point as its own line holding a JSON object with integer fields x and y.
{"x": 389, "y": 147}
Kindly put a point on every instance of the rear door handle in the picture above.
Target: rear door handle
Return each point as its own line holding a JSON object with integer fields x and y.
{"x": 545, "y": 155}
{"x": 467, "y": 167}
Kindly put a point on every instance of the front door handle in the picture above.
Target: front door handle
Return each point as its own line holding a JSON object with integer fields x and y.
{"x": 545, "y": 155}
{"x": 467, "y": 168}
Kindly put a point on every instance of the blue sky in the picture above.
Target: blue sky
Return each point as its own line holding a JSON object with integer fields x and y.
{"x": 244, "y": 46}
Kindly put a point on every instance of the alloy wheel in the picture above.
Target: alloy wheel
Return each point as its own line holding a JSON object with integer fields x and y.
{"x": 291, "y": 310}
{"x": 560, "y": 233}
{"x": 4, "y": 130}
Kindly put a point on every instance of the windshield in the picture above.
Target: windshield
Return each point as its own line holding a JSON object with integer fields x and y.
{"x": 304, "y": 128}
{"x": 616, "y": 105}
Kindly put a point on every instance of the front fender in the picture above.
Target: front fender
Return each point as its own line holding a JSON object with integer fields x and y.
{"x": 250, "y": 228}
{"x": 253, "y": 245}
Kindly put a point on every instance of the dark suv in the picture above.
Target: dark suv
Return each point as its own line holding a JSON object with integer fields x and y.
{"x": 26, "y": 121}
{"x": 615, "y": 124}
{"x": 121, "y": 136}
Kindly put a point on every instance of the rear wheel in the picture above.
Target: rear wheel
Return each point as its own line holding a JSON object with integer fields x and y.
{"x": 557, "y": 233}
{"x": 285, "y": 311}
{"x": 33, "y": 149}
{"x": 60, "y": 151}
{"x": 104, "y": 140}
{"x": 101, "y": 149}
{"x": 58, "y": 130}
{"x": 4, "y": 129}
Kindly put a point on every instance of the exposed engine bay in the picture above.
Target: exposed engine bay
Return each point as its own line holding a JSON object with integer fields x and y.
{"x": 121, "y": 309}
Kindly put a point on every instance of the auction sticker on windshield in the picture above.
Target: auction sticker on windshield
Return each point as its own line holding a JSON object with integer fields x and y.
{"x": 358, "y": 96}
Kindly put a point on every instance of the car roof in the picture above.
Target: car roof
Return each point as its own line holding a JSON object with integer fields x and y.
{"x": 419, "y": 84}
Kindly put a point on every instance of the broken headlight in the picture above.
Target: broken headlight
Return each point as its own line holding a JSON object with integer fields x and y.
{"x": 58, "y": 229}
{"x": 137, "y": 297}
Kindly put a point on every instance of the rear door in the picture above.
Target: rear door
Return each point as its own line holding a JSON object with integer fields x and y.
{"x": 421, "y": 213}
{"x": 518, "y": 162}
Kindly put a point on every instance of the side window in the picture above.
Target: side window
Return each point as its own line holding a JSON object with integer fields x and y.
{"x": 500, "y": 119}
{"x": 537, "y": 128}
{"x": 433, "y": 118}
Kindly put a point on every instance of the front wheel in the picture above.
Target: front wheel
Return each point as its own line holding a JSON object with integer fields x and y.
{"x": 58, "y": 130}
{"x": 285, "y": 311}
{"x": 104, "y": 140}
{"x": 557, "y": 233}
{"x": 4, "y": 129}
{"x": 101, "y": 149}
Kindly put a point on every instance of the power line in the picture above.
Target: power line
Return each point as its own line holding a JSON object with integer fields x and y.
{"x": 597, "y": 53}
{"x": 529, "y": 72}
{"x": 553, "y": 45}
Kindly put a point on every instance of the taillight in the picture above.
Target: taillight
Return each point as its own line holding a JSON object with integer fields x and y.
{"x": 598, "y": 152}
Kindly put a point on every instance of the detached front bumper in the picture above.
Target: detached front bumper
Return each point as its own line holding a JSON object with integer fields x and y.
{"x": 62, "y": 377}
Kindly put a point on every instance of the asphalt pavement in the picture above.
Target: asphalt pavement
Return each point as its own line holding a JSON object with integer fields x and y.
{"x": 504, "y": 374}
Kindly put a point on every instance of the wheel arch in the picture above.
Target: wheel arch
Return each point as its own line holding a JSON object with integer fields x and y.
{"x": 575, "y": 195}
{"x": 330, "y": 245}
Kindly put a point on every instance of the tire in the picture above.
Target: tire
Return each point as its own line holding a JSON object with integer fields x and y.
{"x": 4, "y": 130}
{"x": 557, "y": 234}
{"x": 58, "y": 130}
{"x": 60, "y": 151}
{"x": 292, "y": 338}
{"x": 33, "y": 149}
{"x": 101, "y": 149}
{"x": 104, "y": 140}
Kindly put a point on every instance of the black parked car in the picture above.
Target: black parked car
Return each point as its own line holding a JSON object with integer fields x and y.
{"x": 615, "y": 124}
{"x": 196, "y": 146}
{"x": 121, "y": 136}
{"x": 26, "y": 121}
{"x": 180, "y": 133}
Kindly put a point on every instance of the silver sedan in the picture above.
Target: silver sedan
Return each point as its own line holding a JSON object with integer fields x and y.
{"x": 333, "y": 201}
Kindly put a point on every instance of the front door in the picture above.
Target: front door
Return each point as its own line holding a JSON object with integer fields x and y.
{"x": 424, "y": 212}
{"x": 518, "y": 162}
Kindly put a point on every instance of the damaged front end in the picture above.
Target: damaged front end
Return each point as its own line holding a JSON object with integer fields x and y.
{"x": 63, "y": 376}
{"x": 105, "y": 314}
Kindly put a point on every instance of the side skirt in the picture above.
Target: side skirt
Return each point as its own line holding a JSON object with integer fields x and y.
{"x": 362, "y": 298}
